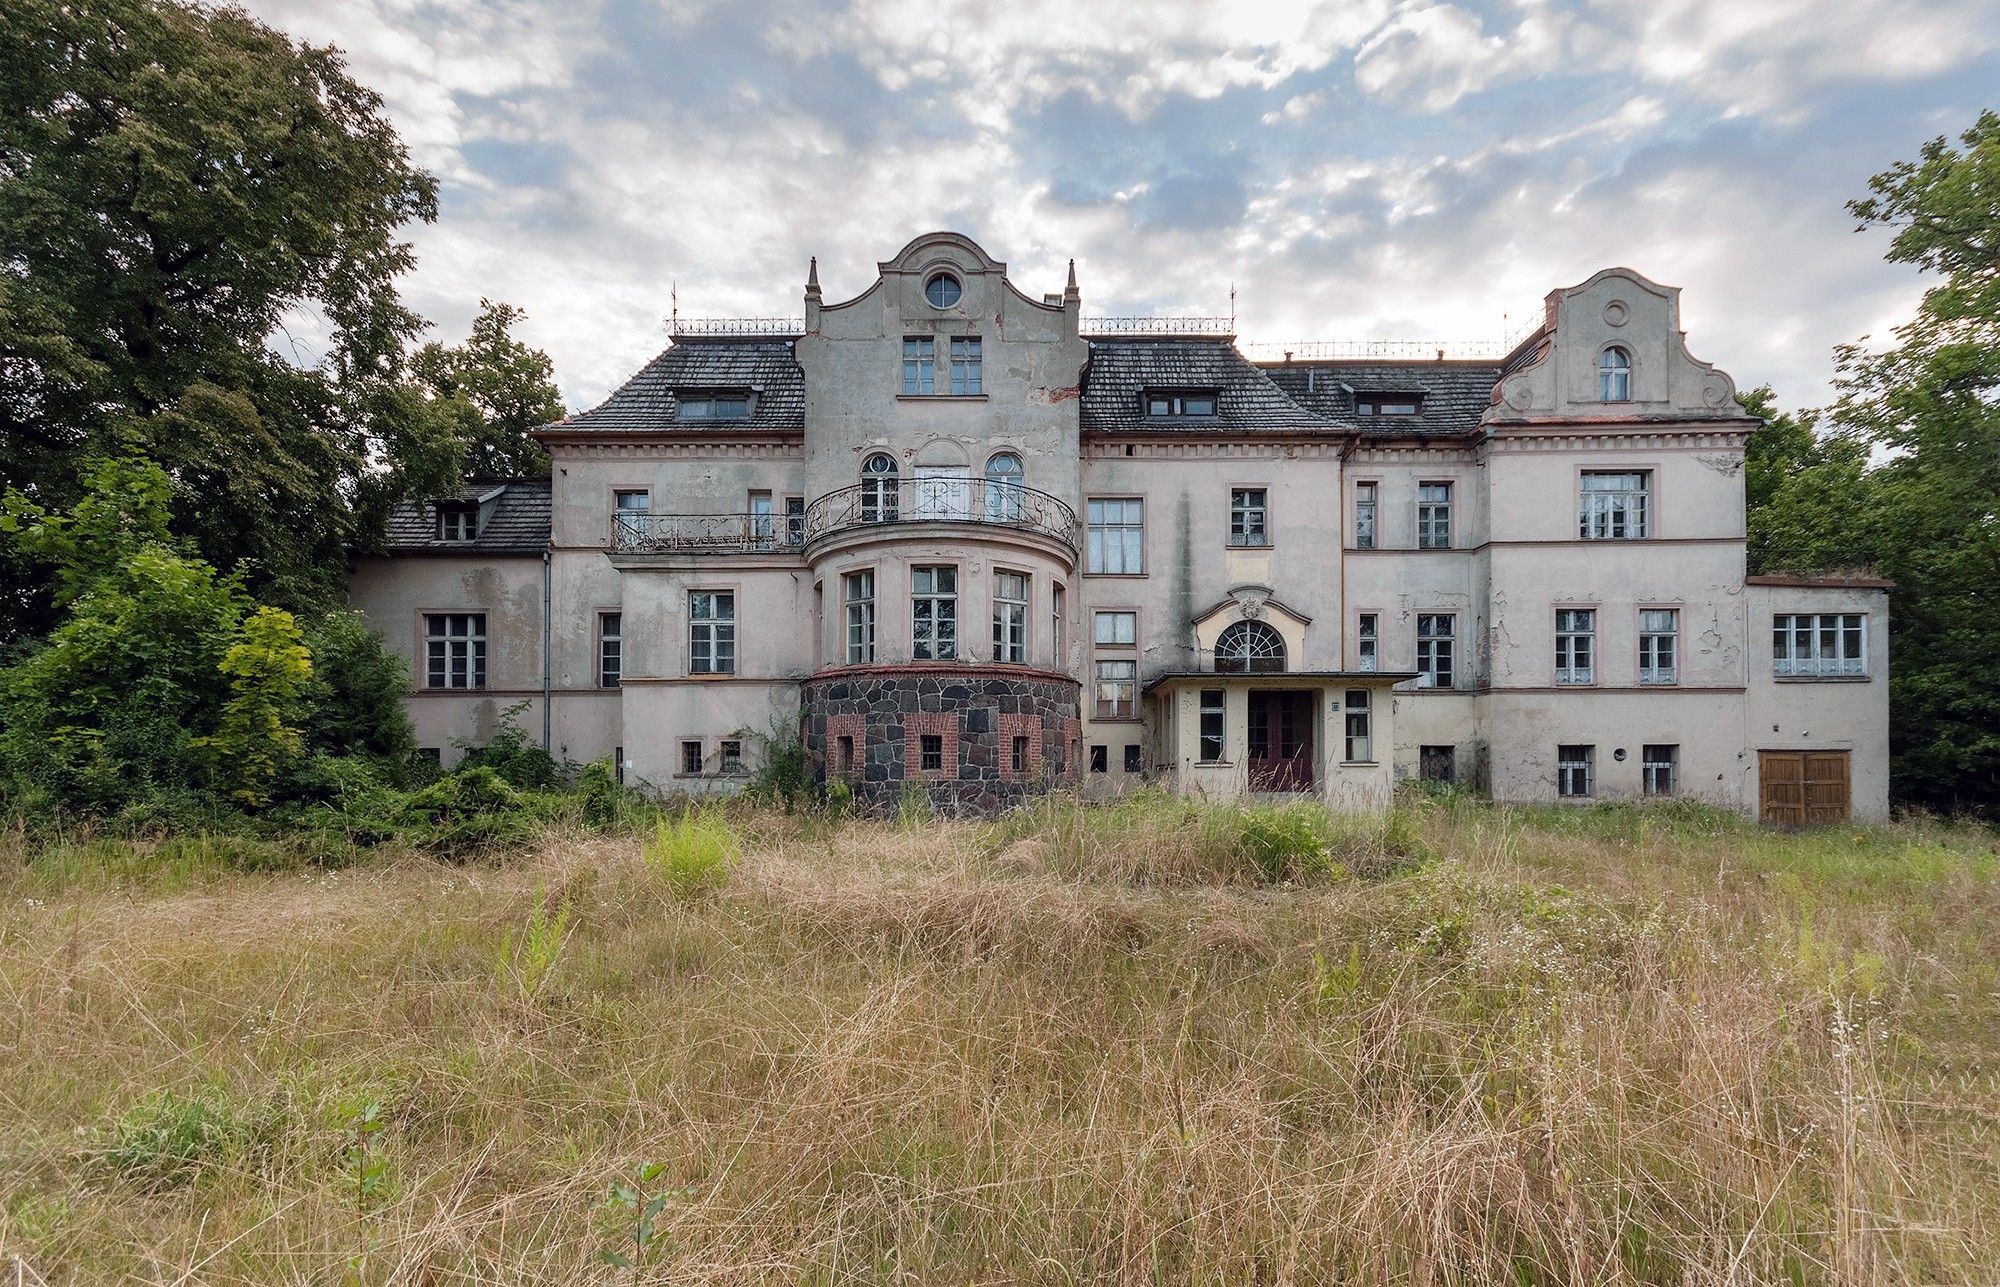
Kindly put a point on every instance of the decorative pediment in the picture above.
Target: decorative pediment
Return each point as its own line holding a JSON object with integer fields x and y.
{"x": 1254, "y": 607}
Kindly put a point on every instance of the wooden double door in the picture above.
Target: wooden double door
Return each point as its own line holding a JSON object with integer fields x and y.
{"x": 1803, "y": 788}
{"x": 1281, "y": 740}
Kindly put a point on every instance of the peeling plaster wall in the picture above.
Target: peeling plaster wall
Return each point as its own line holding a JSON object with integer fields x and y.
{"x": 1851, "y": 715}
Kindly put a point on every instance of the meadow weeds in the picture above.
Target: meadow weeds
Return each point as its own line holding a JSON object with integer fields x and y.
{"x": 1145, "y": 1042}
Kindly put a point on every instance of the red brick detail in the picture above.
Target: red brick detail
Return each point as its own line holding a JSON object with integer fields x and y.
{"x": 1072, "y": 747}
{"x": 839, "y": 726}
{"x": 1011, "y": 727}
{"x": 917, "y": 724}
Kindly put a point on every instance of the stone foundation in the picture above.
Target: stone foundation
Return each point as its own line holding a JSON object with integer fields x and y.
{"x": 993, "y": 735}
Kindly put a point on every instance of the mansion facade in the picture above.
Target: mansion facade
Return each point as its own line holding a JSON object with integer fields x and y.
{"x": 963, "y": 540}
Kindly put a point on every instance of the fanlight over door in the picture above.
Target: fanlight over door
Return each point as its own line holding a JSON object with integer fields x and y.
{"x": 1249, "y": 647}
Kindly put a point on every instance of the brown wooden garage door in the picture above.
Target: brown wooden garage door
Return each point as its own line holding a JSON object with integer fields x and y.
{"x": 1802, "y": 788}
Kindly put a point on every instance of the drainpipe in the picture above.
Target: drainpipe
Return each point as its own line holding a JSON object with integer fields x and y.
{"x": 547, "y": 570}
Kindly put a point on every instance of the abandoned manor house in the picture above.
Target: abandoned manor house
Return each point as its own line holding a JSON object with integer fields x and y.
{"x": 966, "y": 540}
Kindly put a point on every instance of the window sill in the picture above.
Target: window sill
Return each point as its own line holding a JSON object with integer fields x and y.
{"x": 1115, "y": 719}
{"x": 1249, "y": 545}
{"x": 1361, "y": 764}
{"x": 711, "y": 674}
{"x": 941, "y": 397}
{"x": 1822, "y": 679}
{"x": 1117, "y": 576}
{"x": 1215, "y": 764}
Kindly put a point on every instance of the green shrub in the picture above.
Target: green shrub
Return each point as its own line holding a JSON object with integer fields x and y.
{"x": 784, "y": 772}
{"x": 509, "y": 753}
{"x": 1284, "y": 842}
{"x": 604, "y": 801}
{"x": 171, "y": 1138}
{"x": 694, "y": 851}
{"x": 354, "y": 699}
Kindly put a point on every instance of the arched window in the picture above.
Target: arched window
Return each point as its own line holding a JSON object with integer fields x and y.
{"x": 1249, "y": 647}
{"x": 1614, "y": 375}
{"x": 879, "y": 497}
{"x": 1003, "y": 488}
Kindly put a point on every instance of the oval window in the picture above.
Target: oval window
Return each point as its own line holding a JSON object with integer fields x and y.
{"x": 943, "y": 290}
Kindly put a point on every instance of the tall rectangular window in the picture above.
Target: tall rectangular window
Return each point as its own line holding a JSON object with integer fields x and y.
{"x": 763, "y": 520}
{"x": 1832, "y": 643}
{"x": 1433, "y": 516}
{"x": 1575, "y": 772}
{"x": 1214, "y": 721}
{"x": 1367, "y": 641}
{"x": 934, "y": 613}
{"x": 711, "y": 632}
{"x": 1364, "y": 515}
{"x": 1246, "y": 517}
{"x": 1660, "y": 769}
{"x": 1017, "y": 756}
{"x": 610, "y": 649}
{"x": 1116, "y": 629}
{"x": 858, "y": 595}
{"x": 1614, "y": 505}
{"x": 1117, "y": 689}
{"x": 795, "y": 520}
{"x": 634, "y": 506}
{"x": 1659, "y": 646}
{"x": 1058, "y": 627}
{"x": 1360, "y": 748}
{"x": 844, "y": 753}
{"x": 919, "y": 365}
{"x": 455, "y": 650}
{"x": 1576, "y": 646}
{"x": 1435, "y": 640}
{"x": 1010, "y": 617}
{"x": 965, "y": 374}
{"x": 1116, "y": 537}
{"x": 691, "y": 757}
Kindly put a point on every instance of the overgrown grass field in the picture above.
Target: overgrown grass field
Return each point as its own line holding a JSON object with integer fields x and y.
{"x": 1150, "y": 1043}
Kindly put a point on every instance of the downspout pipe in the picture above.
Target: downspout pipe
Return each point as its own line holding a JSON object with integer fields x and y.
{"x": 548, "y": 568}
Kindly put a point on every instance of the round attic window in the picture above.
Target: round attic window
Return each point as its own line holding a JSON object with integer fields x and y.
{"x": 943, "y": 290}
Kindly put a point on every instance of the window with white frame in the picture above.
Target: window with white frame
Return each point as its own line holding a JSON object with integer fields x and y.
{"x": 610, "y": 649}
{"x": 1004, "y": 499}
{"x": 633, "y": 505}
{"x": 1659, "y": 645}
{"x": 1576, "y": 646}
{"x": 1117, "y": 688}
{"x": 1436, "y": 633}
{"x": 1364, "y": 515}
{"x": 1010, "y": 617}
{"x": 1059, "y": 626}
{"x": 457, "y": 521}
{"x": 1117, "y": 628}
{"x": 1214, "y": 722}
{"x": 934, "y": 613}
{"x": 1247, "y": 513}
{"x": 1433, "y": 516}
{"x": 1660, "y": 768}
{"x": 711, "y": 632}
{"x": 1819, "y": 644}
{"x": 763, "y": 520}
{"x": 880, "y": 499}
{"x": 1360, "y": 728}
{"x": 1116, "y": 538}
{"x": 965, "y": 373}
{"x": 919, "y": 365}
{"x": 1576, "y": 772}
{"x": 1614, "y": 505}
{"x": 1614, "y": 375}
{"x": 1367, "y": 641}
{"x": 455, "y": 650}
{"x": 858, "y": 596}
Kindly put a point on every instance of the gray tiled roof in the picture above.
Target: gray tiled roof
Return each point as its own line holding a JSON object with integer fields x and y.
{"x": 1123, "y": 370}
{"x": 513, "y": 519}
{"x": 647, "y": 402}
{"x": 1455, "y": 394}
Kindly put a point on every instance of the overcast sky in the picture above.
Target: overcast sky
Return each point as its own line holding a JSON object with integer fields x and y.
{"x": 1358, "y": 170}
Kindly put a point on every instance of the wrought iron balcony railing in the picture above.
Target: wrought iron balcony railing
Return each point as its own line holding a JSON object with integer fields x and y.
{"x": 942, "y": 500}
{"x": 705, "y": 533}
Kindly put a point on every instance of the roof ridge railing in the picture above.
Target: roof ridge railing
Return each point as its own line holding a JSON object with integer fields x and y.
{"x": 1407, "y": 350}
{"x": 1217, "y": 326}
{"x": 736, "y": 326}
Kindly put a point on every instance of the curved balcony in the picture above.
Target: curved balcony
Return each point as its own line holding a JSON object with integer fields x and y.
{"x": 879, "y": 502}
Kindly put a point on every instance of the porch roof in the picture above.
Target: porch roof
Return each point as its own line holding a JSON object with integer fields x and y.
{"x": 1277, "y": 678}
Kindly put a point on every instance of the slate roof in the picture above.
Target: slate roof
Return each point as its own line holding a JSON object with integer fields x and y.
{"x": 646, "y": 402}
{"x": 513, "y": 519}
{"x": 1455, "y": 393}
{"x": 1122, "y": 370}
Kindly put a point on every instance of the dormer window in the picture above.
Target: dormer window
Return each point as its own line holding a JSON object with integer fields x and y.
{"x": 714, "y": 404}
{"x": 457, "y": 520}
{"x": 1614, "y": 375}
{"x": 1388, "y": 404}
{"x": 1168, "y": 404}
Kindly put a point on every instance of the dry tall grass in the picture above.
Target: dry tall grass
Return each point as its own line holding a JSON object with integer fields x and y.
{"x": 1481, "y": 1045}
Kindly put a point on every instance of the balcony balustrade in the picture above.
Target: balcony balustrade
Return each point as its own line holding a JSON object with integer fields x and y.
{"x": 634, "y": 533}
{"x": 884, "y": 501}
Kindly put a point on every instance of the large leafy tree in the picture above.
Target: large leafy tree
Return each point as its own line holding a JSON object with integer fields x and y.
{"x": 181, "y": 189}
{"x": 497, "y": 390}
{"x": 1906, "y": 478}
